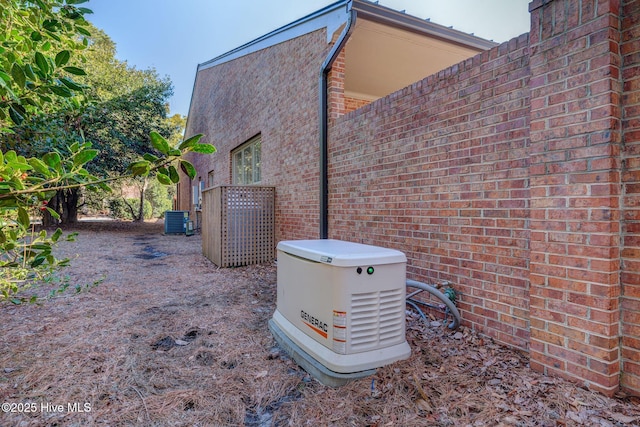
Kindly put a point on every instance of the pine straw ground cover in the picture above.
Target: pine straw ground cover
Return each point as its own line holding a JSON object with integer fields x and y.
{"x": 168, "y": 339}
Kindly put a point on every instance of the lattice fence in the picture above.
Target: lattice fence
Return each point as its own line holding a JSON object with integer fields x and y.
{"x": 238, "y": 225}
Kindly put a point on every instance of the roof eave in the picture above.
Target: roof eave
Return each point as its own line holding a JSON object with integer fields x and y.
{"x": 384, "y": 15}
{"x": 285, "y": 33}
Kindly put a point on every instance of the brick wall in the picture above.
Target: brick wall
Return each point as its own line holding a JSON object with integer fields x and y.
{"x": 503, "y": 174}
{"x": 340, "y": 104}
{"x": 351, "y": 104}
{"x": 513, "y": 174}
{"x": 439, "y": 171}
{"x": 630, "y": 277}
{"x": 575, "y": 192}
{"x": 272, "y": 92}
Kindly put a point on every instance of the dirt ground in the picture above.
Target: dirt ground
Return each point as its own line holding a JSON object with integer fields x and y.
{"x": 168, "y": 339}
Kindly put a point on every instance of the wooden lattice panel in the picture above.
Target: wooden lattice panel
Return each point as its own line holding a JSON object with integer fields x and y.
{"x": 238, "y": 225}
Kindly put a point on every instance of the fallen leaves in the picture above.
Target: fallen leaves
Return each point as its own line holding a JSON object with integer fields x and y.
{"x": 181, "y": 342}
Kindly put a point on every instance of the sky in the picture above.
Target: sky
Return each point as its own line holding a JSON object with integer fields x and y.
{"x": 174, "y": 36}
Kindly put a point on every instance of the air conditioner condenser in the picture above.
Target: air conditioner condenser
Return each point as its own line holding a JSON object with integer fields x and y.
{"x": 340, "y": 307}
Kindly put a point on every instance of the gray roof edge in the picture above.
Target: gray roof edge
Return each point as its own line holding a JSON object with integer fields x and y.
{"x": 330, "y": 17}
{"x": 375, "y": 12}
{"x": 336, "y": 14}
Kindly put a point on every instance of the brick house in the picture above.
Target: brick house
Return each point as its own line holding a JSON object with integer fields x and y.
{"x": 512, "y": 171}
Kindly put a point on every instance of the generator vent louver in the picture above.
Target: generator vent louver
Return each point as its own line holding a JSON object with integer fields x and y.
{"x": 376, "y": 319}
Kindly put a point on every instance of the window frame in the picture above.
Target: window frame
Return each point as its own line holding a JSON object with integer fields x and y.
{"x": 249, "y": 155}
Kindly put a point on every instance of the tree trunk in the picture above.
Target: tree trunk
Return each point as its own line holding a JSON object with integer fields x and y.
{"x": 71, "y": 205}
{"x": 141, "y": 207}
{"x": 49, "y": 220}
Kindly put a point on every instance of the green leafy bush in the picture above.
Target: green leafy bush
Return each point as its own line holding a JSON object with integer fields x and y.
{"x": 121, "y": 208}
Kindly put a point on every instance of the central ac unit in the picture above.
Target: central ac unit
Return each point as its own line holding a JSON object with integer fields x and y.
{"x": 175, "y": 222}
{"x": 340, "y": 307}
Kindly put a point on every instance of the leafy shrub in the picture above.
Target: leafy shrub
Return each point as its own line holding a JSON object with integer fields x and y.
{"x": 121, "y": 209}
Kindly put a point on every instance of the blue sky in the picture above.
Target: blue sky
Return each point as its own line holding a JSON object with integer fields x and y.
{"x": 174, "y": 36}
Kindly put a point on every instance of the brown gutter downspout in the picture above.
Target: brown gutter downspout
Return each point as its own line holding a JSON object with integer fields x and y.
{"x": 324, "y": 121}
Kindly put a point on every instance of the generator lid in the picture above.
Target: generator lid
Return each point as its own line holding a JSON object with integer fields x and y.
{"x": 341, "y": 253}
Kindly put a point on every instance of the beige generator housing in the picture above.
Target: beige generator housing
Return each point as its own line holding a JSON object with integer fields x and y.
{"x": 342, "y": 303}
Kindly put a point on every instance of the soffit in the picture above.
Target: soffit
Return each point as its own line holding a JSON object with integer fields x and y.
{"x": 381, "y": 59}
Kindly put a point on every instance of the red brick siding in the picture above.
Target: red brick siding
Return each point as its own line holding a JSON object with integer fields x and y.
{"x": 439, "y": 171}
{"x": 351, "y": 104}
{"x": 273, "y": 92}
{"x": 338, "y": 102}
{"x": 335, "y": 87}
{"x": 630, "y": 277}
{"x": 514, "y": 175}
{"x": 575, "y": 192}
{"x": 503, "y": 175}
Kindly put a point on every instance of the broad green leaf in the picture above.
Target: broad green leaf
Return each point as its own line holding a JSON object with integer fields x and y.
{"x": 23, "y": 218}
{"x": 4, "y": 78}
{"x": 11, "y": 156}
{"x": 42, "y": 64}
{"x": 75, "y": 71}
{"x": 36, "y": 36}
{"x": 45, "y": 98}
{"x": 188, "y": 169}
{"x": 150, "y": 157}
{"x": 174, "y": 152}
{"x": 8, "y": 202}
{"x": 84, "y": 156}
{"x": 203, "y": 148}
{"x": 18, "y": 75}
{"x": 61, "y": 91}
{"x": 81, "y": 30}
{"x": 53, "y": 160}
{"x": 163, "y": 179}
{"x": 41, "y": 247}
{"x": 53, "y": 213}
{"x": 139, "y": 168}
{"x": 28, "y": 71}
{"x": 159, "y": 142}
{"x": 56, "y": 235}
{"x": 71, "y": 84}
{"x": 16, "y": 117}
{"x": 62, "y": 58}
{"x": 39, "y": 166}
{"x": 37, "y": 261}
{"x": 51, "y": 24}
{"x": 190, "y": 141}
{"x": 173, "y": 175}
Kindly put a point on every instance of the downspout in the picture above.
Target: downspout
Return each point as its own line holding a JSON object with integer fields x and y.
{"x": 324, "y": 121}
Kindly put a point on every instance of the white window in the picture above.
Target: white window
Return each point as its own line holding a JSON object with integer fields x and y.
{"x": 247, "y": 162}
{"x": 197, "y": 194}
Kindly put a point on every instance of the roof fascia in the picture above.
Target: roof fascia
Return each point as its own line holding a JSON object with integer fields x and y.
{"x": 331, "y": 17}
{"x": 384, "y": 15}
